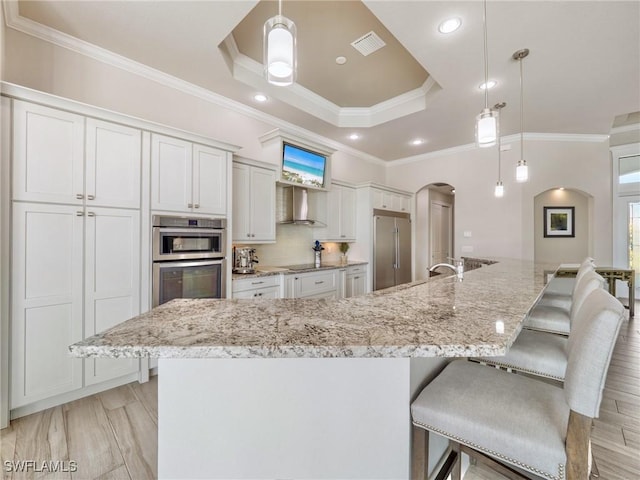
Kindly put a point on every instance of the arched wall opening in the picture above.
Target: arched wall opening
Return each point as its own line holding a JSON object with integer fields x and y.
{"x": 559, "y": 246}
{"x": 434, "y": 226}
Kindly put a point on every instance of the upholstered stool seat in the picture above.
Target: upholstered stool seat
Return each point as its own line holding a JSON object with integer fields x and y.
{"x": 518, "y": 423}
{"x": 559, "y": 291}
{"x": 518, "y": 420}
{"x": 536, "y": 353}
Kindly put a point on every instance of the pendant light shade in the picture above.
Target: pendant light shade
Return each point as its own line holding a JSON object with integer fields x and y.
{"x": 522, "y": 170}
{"x": 486, "y": 128}
{"x": 280, "y": 56}
{"x": 499, "y": 190}
{"x": 487, "y": 121}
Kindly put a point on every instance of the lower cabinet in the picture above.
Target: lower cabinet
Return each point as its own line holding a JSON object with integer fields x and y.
{"x": 321, "y": 284}
{"x": 257, "y": 287}
{"x": 356, "y": 281}
{"x": 75, "y": 272}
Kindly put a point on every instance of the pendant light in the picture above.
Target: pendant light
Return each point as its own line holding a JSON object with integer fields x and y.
{"x": 279, "y": 54}
{"x": 499, "y": 190}
{"x": 487, "y": 120}
{"x": 522, "y": 170}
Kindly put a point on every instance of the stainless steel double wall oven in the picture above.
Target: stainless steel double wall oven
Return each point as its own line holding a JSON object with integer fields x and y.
{"x": 188, "y": 258}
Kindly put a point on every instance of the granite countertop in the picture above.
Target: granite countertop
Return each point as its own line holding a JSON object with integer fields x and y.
{"x": 291, "y": 269}
{"x": 480, "y": 316}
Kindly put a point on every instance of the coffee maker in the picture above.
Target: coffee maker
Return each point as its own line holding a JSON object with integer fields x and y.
{"x": 244, "y": 259}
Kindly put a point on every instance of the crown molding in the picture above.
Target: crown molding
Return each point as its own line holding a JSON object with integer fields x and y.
{"x": 29, "y": 27}
{"x": 625, "y": 128}
{"x": 250, "y": 72}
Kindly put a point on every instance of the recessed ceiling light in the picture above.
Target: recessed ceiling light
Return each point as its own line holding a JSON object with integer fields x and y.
{"x": 260, "y": 97}
{"x": 354, "y": 136}
{"x": 341, "y": 60}
{"x": 417, "y": 141}
{"x": 490, "y": 84}
{"x": 450, "y": 25}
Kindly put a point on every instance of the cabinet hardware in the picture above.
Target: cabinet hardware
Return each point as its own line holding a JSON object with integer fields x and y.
{"x": 257, "y": 283}
{"x": 253, "y": 234}
{"x": 197, "y": 205}
{"x": 91, "y": 214}
{"x": 356, "y": 278}
{"x": 384, "y": 206}
{"x": 91, "y": 197}
{"x": 248, "y": 235}
{"x": 257, "y": 294}
{"x": 79, "y": 196}
{"x": 79, "y": 214}
{"x": 296, "y": 278}
{"x": 189, "y": 205}
{"x": 319, "y": 282}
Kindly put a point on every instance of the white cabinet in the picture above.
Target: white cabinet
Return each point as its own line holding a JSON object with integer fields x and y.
{"x": 187, "y": 177}
{"x": 47, "y": 262}
{"x": 254, "y": 204}
{"x": 59, "y": 159}
{"x": 356, "y": 280}
{"x": 257, "y": 287}
{"x": 112, "y": 282}
{"x": 388, "y": 200}
{"x": 63, "y": 258}
{"x": 337, "y": 209}
{"x": 320, "y": 284}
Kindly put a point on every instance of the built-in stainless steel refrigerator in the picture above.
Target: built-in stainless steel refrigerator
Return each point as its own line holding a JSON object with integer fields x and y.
{"x": 391, "y": 248}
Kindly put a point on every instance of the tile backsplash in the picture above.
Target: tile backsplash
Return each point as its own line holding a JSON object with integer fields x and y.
{"x": 293, "y": 246}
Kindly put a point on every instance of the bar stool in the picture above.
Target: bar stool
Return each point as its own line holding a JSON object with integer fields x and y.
{"x": 518, "y": 424}
{"x": 559, "y": 291}
{"x": 555, "y": 319}
{"x": 541, "y": 353}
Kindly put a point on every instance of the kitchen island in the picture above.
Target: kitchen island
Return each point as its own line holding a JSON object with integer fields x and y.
{"x": 300, "y": 388}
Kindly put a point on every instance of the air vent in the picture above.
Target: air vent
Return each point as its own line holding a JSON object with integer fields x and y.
{"x": 368, "y": 43}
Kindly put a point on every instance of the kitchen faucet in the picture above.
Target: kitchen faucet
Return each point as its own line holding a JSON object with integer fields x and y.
{"x": 457, "y": 267}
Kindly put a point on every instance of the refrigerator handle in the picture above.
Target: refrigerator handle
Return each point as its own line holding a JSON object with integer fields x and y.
{"x": 397, "y": 239}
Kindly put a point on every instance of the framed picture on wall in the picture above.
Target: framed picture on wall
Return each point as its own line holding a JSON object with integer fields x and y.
{"x": 559, "y": 222}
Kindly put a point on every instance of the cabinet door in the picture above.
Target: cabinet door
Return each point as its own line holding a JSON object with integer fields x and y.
{"x": 112, "y": 288}
{"x": 209, "y": 180}
{"x": 48, "y": 154}
{"x": 356, "y": 285}
{"x": 333, "y": 213}
{"x": 171, "y": 174}
{"x": 112, "y": 165}
{"x": 46, "y": 311}
{"x": 241, "y": 197}
{"x": 348, "y": 214}
{"x": 401, "y": 203}
{"x": 263, "y": 204}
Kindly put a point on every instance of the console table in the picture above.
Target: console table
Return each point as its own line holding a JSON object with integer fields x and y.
{"x": 610, "y": 274}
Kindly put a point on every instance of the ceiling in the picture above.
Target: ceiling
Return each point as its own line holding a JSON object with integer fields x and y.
{"x": 583, "y": 70}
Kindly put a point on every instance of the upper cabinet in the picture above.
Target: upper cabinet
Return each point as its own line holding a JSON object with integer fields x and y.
{"x": 187, "y": 177}
{"x": 254, "y": 203}
{"x": 61, "y": 157}
{"x": 337, "y": 209}
{"x": 389, "y": 200}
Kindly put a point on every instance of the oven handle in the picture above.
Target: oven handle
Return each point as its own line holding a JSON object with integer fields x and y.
{"x": 190, "y": 263}
{"x": 197, "y": 231}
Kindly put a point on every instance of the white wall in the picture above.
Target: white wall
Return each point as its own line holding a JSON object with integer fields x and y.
{"x": 505, "y": 227}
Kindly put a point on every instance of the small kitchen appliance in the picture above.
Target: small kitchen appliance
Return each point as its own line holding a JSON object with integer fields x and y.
{"x": 244, "y": 259}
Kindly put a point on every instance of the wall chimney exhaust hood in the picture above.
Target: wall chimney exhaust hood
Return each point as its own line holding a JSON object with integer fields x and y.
{"x": 293, "y": 206}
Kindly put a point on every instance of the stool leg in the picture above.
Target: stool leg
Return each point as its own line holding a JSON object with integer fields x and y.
{"x": 419, "y": 453}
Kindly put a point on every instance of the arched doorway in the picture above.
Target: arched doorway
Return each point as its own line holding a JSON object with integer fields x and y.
{"x": 434, "y": 227}
{"x": 566, "y": 247}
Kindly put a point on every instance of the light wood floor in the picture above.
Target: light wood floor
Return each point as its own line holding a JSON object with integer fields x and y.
{"x": 113, "y": 435}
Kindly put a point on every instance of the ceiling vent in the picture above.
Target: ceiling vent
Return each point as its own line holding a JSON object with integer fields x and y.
{"x": 368, "y": 43}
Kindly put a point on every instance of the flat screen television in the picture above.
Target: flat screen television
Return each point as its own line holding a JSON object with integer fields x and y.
{"x": 303, "y": 167}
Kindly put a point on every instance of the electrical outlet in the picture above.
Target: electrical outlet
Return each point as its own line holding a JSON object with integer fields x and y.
{"x": 467, "y": 234}
{"x": 467, "y": 249}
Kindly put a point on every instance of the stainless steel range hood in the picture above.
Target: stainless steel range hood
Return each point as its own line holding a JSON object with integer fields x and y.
{"x": 292, "y": 206}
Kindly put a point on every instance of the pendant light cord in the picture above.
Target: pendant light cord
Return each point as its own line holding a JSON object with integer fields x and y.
{"x": 280, "y": 8}
{"x": 486, "y": 57}
{"x": 521, "y": 113}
